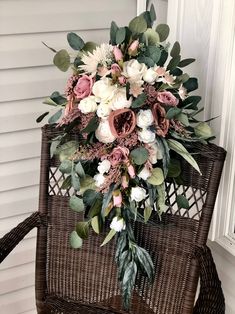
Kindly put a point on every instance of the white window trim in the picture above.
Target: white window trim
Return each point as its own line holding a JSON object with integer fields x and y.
{"x": 219, "y": 100}
{"x": 141, "y": 6}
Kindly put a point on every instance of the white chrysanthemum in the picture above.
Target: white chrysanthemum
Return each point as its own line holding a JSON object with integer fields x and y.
{"x": 102, "y": 55}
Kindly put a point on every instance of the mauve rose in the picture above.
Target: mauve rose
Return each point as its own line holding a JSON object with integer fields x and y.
{"x": 122, "y": 122}
{"x": 132, "y": 50}
{"x": 119, "y": 155}
{"x": 161, "y": 123}
{"x": 167, "y": 98}
{"x": 117, "y": 53}
{"x": 115, "y": 69}
{"x": 122, "y": 80}
{"x": 83, "y": 87}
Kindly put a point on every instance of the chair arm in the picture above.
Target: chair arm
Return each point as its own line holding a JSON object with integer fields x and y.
{"x": 12, "y": 238}
{"x": 211, "y": 298}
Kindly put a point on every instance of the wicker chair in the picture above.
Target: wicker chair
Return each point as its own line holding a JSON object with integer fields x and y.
{"x": 84, "y": 281}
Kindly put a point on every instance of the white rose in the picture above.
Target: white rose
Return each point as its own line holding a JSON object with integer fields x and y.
{"x": 119, "y": 101}
{"x": 103, "y": 89}
{"x": 150, "y": 76}
{"x": 88, "y": 104}
{"x": 144, "y": 173}
{"x": 99, "y": 179}
{"x": 133, "y": 70}
{"x": 104, "y": 166}
{"x": 138, "y": 194}
{"x": 144, "y": 118}
{"x": 103, "y": 109}
{"x": 118, "y": 224}
{"x": 103, "y": 132}
{"x": 154, "y": 153}
{"x": 146, "y": 136}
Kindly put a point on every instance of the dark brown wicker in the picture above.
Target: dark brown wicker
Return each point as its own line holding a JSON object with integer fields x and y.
{"x": 85, "y": 281}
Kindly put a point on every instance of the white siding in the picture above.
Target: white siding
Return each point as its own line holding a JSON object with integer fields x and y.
{"x": 26, "y": 77}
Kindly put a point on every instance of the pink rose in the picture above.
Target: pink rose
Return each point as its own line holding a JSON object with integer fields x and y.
{"x": 122, "y": 80}
{"x": 167, "y": 98}
{"x": 119, "y": 155}
{"x": 115, "y": 69}
{"x": 117, "y": 53}
{"x": 117, "y": 198}
{"x": 83, "y": 87}
{"x": 132, "y": 50}
{"x": 125, "y": 182}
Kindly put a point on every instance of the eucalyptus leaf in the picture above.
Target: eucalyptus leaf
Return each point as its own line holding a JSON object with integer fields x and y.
{"x": 109, "y": 236}
{"x": 82, "y": 228}
{"x": 185, "y": 62}
{"x": 163, "y": 31}
{"x": 113, "y": 31}
{"x": 53, "y": 147}
{"x": 66, "y": 166}
{"x": 75, "y": 181}
{"x": 120, "y": 35}
{"x": 152, "y": 13}
{"x": 89, "y": 46}
{"x": 157, "y": 177}
{"x": 79, "y": 170}
{"x": 164, "y": 148}
{"x": 75, "y": 240}
{"x": 67, "y": 150}
{"x": 57, "y": 98}
{"x": 55, "y": 117}
{"x": 138, "y": 25}
{"x": 182, "y": 151}
{"x": 147, "y": 60}
{"x": 139, "y": 101}
{"x": 66, "y": 183}
{"x": 182, "y": 201}
{"x": 161, "y": 198}
{"x": 147, "y": 213}
{"x": 203, "y": 130}
{"x": 183, "y": 118}
{"x": 152, "y": 36}
{"x": 172, "y": 112}
{"x": 139, "y": 155}
{"x": 174, "y": 169}
{"x": 154, "y": 53}
{"x": 91, "y": 126}
{"x": 42, "y": 116}
{"x": 175, "y": 51}
{"x": 75, "y": 41}
{"x": 107, "y": 198}
{"x": 173, "y": 63}
{"x": 76, "y": 204}
{"x": 95, "y": 223}
{"x": 89, "y": 197}
{"x": 62, "y": 60}
{"x": 87, "y": 183}
{"x": 191, "y": 84}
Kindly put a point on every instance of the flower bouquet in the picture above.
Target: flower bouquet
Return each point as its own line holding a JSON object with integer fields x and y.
{"x": 127, "y": 103}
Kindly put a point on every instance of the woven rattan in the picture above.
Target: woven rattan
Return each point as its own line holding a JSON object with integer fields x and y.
{"x": 85, "y": 281}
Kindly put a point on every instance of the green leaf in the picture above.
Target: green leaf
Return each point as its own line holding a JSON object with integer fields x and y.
{"x": 162, "y": 143}
{"x": 66, "y": 166}
{"x": 76, "y": 204}
{"x": 138, "y": 25}
{"x": 191, "y": 102}
{"x": 109, "y": 236}
{"x": 95, "y": 223}
{"x": 96, "y": 206}
{"x": 173, "y": 63}
{"x": 175, "y": 51}
{"x": 90, "y": 196}
{"x": 67, "y": 183}
{"x": 120, "y": 245}
{"x": 139, "y": 155}
{"x": 52, "y": 49}
{"x": 113, "y": 31}
{"x": 75, "y": 182}
{"x": 75, "y": 41}
{"x": 182, "y": 201}
{"x": 58, "y": 99}
{"x": 164, "y": 56}
{"x": 87, "y": 183}
{"x": 183, "y": 118}
{"x": 75, "y": 240}
{"x": 42, "y": 116}
{"x": 202, "y": 130}
{"x": 157, "y": 177}
{"x": 191, "y": 84}
{"x": 147, "y": 213}
{"x": 82, "y": 229}
{"x": 185, "y": 62}
{"x": 67, "y": 150}
{"x": 128, "y": 283}
{"x": 79, "y": 170}
{"x": 89, "y": 46}
{"x": 145, "y": 261}
{"x": 182, "y": 151}
{"x": 120, "y": 35}
{"x": 154, "y": 53}
{"x": 147, "y": 17}
{"x": 62, "y": 60}
{"x": 91, "y": 126}
{"x": 139, "y": 101}
{"x": 163, "y": 31}
{"x": 146, "y": 60}
{"x": 55, "y": 117}
{"x": 152, "y": 13}
{"x": 174, "y": 169}
{"x": 107, "y": 198}
{"x": 152, "y": 37}
{"x": 172, "y": 112}
{"x": 161, "y": 198}
{"x": 53, "y": 147}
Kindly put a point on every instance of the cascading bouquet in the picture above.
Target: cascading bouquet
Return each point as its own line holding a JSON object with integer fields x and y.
{"x": 131, "y": 113}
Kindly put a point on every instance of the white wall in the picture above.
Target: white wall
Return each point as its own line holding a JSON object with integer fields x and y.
{"x": 27, "y": 76}
{"x": 206, "y": 32}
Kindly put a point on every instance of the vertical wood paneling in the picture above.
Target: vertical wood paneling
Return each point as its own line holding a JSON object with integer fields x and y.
{"x": 27, "y": 76}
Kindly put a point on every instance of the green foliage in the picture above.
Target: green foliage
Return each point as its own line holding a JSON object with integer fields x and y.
{"x": 139, "y": 155}
{"x": 191, "y": 84}
{"x": 128, "y": 282}
{"x": 109, "y": 236}
{"x": 152, "y": 36}
{"x": 66, "y": 166}
{"x": 76, "y": 204}
{"x": 75, "y": 240}
{"x": 42, "y": 116}
{"x": 75, "y": 41}
{"x": 67, "y": 150}
{"x": 67, "y": 183}
{"x": 139, "y": 101}
{"x": 89, "y": 46}
{"x": 79, "y": 170}
{"x": 82, "y": 229}
{"x": 55, "y": 117}
{"x": 147, "y": 213}
{"x": 62, "y": 60}
{"x": 163, "y": 31}
{"x": 152, "y": 13}
{"x": 172, "y": 112}
{"x": 174, "y": 169}
{"x": 163, "y": 145}
{"x": 157, "y": 177}
{"x": 87, "y": 183}
{"x": 113, "y": 31}
{"x": 138, "y": 25}
{"x": 120, "y": 35}
{"x": 182, "y": 201}
{"x": 161, "y": 198}
{"x": 191, "y": 102}
{"x": 174, "y": 62}
{"x": 175, "y": 51}
{"x": 202, "y": 130}
{"x": 185, "y": 62}
{"x": 95, "y": 223}
{"x": 146, "y": 261}
{"x": 91, "y": 126}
